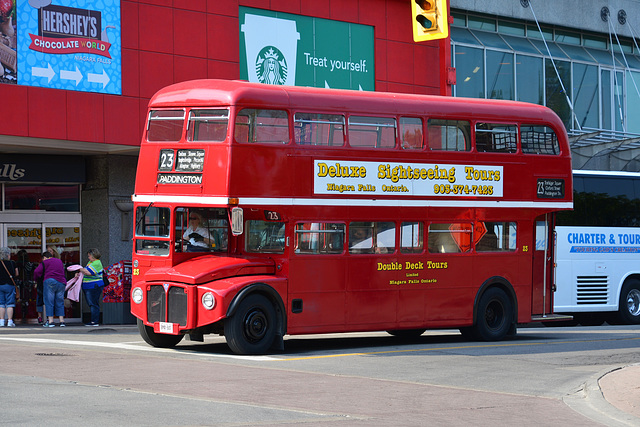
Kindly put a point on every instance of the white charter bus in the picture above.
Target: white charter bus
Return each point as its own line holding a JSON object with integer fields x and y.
{"x": 597, "y": 272}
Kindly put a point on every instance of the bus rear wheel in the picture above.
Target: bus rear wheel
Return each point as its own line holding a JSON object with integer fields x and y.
{"x": 629, "y": 312}
{"x": 157, "y": 340}
{"x": 252, "y": 328}
{"x": 495, "y": 316}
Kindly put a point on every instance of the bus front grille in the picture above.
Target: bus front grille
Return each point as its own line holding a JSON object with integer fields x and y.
{"x": 592, "y": 290}
{"x": 170, "y": 306}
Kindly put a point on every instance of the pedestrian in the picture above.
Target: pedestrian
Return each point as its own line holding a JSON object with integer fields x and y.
{"x": 53, "y": 251}
{"x": 51, "y": 271}
{"x": 7, "y": 287}
{"x": 92, "y": 285}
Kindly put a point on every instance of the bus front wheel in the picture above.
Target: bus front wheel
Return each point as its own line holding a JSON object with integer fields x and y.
{"x": 495, "y": 316}
{"x": 629, "y": 312}
{"x": 157, "y": 340}
{"x": 252, "y": 328}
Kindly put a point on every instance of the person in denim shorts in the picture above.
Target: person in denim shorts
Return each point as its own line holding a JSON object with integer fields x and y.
{"x": 7, "y": 287}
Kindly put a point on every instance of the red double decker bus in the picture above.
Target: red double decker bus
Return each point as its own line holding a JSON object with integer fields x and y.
{"x": 267, "y": 210}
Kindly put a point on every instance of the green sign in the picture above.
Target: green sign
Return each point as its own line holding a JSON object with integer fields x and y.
{"x": 285, "y": 49}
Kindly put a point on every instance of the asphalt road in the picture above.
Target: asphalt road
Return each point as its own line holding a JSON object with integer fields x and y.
{"x": 109, "y": 376}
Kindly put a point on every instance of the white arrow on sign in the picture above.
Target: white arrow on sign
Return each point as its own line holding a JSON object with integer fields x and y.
{"x": 43, "y": 72}
{"x": 99, "y": 78}
{"x": 71, "y": 75}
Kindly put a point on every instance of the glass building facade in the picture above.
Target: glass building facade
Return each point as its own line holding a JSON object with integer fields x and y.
{"x": 590, "y": 80}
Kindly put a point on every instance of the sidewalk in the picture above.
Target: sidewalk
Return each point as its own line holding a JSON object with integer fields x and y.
{"x": 621, "y": 388}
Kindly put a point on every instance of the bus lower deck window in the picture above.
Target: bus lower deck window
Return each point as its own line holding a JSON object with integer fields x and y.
{"x": 264, "y": 236}
{"x": 319, "y": 238}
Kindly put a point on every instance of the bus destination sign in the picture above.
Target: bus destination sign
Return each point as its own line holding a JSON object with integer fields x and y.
{"x": 550, "y": 189}
{"x": 190, "y": 161}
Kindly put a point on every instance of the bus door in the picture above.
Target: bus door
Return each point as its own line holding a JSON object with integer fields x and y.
{"x": 317, "y": 276}
{"x": 542, "y": 265}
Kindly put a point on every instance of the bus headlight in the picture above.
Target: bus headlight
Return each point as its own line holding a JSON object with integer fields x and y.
{"x": 136, "y": 295}
{"x": 208, "y": 301}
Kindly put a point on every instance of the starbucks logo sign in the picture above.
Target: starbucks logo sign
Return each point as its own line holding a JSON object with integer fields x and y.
{"x": 271, "y": 67}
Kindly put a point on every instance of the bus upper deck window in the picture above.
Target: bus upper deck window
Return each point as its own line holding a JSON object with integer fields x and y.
{"x": 319, "y": 129}
{"x": 165, "y": 125}
{"x": 411, "y": 133}
{"x": 262, "y": 126}
{"x": 539, "y": 140}
{"x": 208, "y": 125}
{"x": 449, "y": 135}
{"x": 374, "y": 132}
{"x": 496, "y": 138}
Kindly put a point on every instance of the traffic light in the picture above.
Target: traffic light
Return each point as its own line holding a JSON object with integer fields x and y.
{"x": 429, "y": 20}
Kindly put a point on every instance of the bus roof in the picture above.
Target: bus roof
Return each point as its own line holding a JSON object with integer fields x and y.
{"x": 217, "y": 93}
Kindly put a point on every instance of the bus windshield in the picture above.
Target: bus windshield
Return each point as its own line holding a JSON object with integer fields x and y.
{"x": 196, "y": 230}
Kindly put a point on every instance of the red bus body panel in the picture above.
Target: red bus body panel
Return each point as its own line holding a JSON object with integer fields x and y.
{"x": 349, "y": 292}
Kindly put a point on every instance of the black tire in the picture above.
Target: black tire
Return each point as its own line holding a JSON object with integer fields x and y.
{"x": 406, "y": 333}
{"x": 157, "y": 340}
{"x": 495, "y": 316}
{"x": 629, "y": 308}
{"x": 252, "y": 328}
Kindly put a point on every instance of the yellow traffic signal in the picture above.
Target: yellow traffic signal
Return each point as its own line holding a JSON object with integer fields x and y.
{"x": 429, "y": 20}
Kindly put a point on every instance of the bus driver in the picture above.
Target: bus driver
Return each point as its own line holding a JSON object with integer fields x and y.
{"x": 198, "y": 237}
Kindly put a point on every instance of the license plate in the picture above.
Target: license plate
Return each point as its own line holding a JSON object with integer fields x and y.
{"x": 165, "y": 328}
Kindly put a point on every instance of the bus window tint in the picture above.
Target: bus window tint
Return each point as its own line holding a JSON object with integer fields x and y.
{"x": 201, "y": 229}
{"x": 152, "y": 221}
{"x": 264, "y": 236}
{"x": 372, "y": 132}
{"x": 449, "y": 238}
{"x": 152, "y": 224}
{"x": 411, "y": 133}
{"x": 499, "y": 236}
{"x": 319, "y": 238}
{"x": 411, "y": 240}
{"x": 318, "y": 129}
{"x": 539, "y": 140}
{"x": 262, "y": 126}
{"x": 449, "y": 135}
{"x": 496, "y": 138}
{"x": 165, "y": 125}
{"x": 207, "y": 125}
{"x": 372, "y": 237}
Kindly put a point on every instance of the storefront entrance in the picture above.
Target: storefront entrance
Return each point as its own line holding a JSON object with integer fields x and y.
{"x": 29, "y": 236}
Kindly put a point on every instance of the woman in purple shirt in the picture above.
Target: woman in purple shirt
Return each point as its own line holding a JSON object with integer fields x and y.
{"x": 52, "y": 271}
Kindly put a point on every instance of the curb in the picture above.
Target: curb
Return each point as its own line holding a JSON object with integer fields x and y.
{"x": 589, "y": 401}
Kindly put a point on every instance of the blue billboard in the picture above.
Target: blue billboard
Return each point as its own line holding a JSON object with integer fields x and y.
{"x": 69, "y": 44}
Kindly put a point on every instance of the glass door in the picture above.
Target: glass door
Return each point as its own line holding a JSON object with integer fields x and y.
{"x": 27, "y": 243}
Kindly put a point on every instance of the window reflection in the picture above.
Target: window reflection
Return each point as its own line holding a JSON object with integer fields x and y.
{"x": 52, "y": 198}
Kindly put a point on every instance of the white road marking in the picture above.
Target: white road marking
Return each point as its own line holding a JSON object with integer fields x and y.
{"x": 128, "y": 346}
